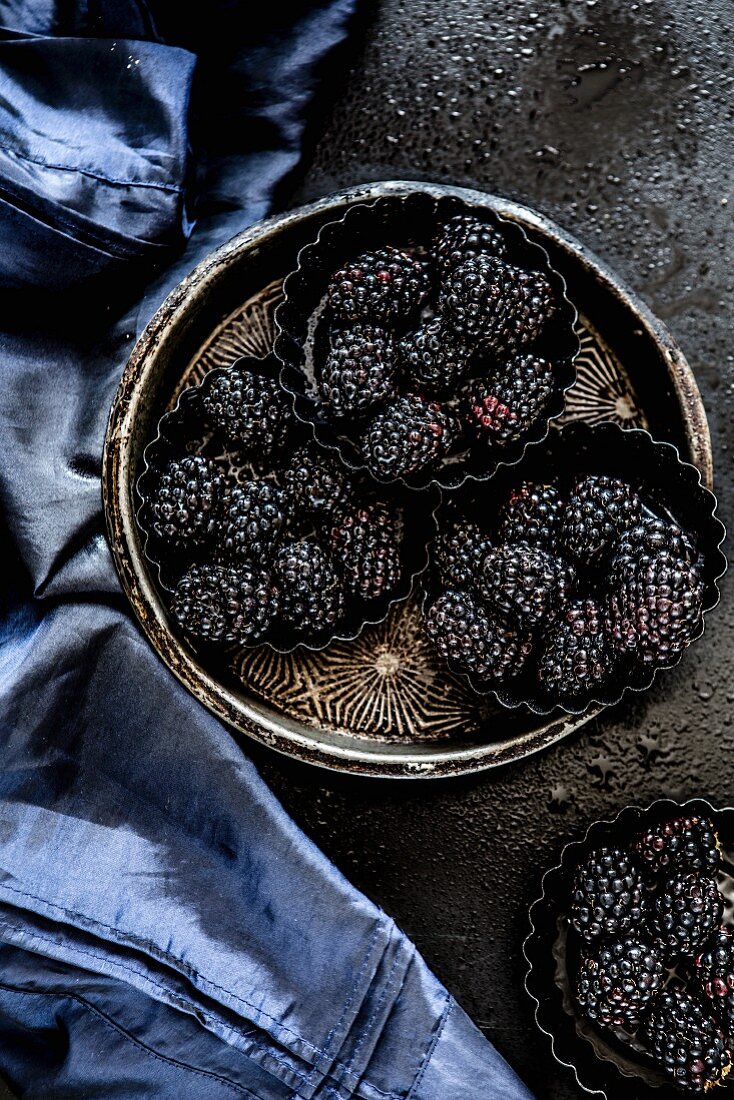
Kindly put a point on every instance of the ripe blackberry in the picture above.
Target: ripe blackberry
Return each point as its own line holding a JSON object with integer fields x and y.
{"x": 251, "y": 412}
{"x": 533, "y": 514}
{"x": 686, "y": 911}
{"x": 458, "y": 554}
{"x": 255, "y": 517}
{"x": 714, "y": 973}
{"x": 316, "y": 481}
{"x": 686, "y": 1041}
{"x": 386, "y": 286}
{"x": 408, "y": 435}
{"x": 620, "y": 982}
{"x": 650, "y": 535}
{"x": 462, "y": 238}
{"x": 186, "y": 503}
{"x": 608, "y": 897}
{"x": 359, "y": 370}
{"x": 312, "y": 591}
{"x": 506, "y": 405}
{"x": 433, "y": 359}
{"x": 599, "y": 511}
{"x": 476, "y": 642}
{"x": 654, "y": 606}
{"x": 679, "y": 844}
{"x": 526, "y": 583}
{"x": 505, "y": 308}
{"x": 225, "y": 604}
{"x": 577, "y": 655}
{"x": 366, "y": 541}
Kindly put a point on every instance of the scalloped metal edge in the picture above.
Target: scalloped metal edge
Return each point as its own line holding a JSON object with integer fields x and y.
{"x": 348, "y": 636}
{"x": 285, "y": 337}
{"x": 594, "y": 700}
{"x": 534, "y": 908}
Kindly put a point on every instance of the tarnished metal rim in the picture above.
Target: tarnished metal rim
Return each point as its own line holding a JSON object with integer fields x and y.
{"x": 426, "y": 760}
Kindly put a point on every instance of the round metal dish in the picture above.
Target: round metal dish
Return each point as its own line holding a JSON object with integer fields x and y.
{"x": 379, "y": 705}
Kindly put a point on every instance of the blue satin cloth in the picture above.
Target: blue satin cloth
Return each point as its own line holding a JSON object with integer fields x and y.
{"x": 165, "y": 929}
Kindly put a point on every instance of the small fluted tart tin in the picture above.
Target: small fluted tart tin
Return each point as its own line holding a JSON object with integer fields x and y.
{"x": 409, "y": 223}
{"x": 603, "y": 1062}
{"x": 185, "y": 430}
{"x": 670, "y": 488}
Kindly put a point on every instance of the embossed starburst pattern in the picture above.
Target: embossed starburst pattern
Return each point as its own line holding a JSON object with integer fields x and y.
{"x": 602, "y": 390}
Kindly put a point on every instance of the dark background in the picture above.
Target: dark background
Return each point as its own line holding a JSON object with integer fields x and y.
{"x": 615, "y": 119}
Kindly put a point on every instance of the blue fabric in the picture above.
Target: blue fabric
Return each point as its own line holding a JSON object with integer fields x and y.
{"x": 165, "y": 929}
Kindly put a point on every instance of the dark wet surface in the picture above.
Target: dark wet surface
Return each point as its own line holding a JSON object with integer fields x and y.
{"x": 615, "y": 119}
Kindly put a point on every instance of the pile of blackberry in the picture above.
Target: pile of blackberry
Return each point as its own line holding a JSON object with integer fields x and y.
{"x": 434, "y": 355}
{"x": 267, "y": 536}
{"x": 655, "y": 964}
{"x": 575, "y": 584}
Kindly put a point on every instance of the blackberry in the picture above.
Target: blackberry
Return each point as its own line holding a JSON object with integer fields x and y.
{"x": 366, "y": 540}
{"x": 599, "y": 510}
{"x": 458, "y": 554}
{"x": 254, "y": 521}
{"x": 533, "y": 514}
{"x": 462, "y": 238}
{"x": 408, "y": 435}
{"x": 386, "y": 286}
{"x": 433, "y": 359}
{"x": 525, "y": 582}
{"x": 225, "y": 604}
{"x": 619, "y": 983}
{"x": 251, "y": 412}
{"x": 608, "y": 897}
{"x": 686, "y": 1041}
{"x": 714, "y": 973}
{"x": 654, "y": 606}
{"x": 505, "y": 308}
{"x": 186, "y": 503}
{"x": 679, "y": 844}
{"x": 577, "y": 655}
{"x": 505, "y": 406}
{"x": 652, "y": 535}
{"x": 476, "y": 642}
{"x": 359, "y": 370}
{"x": 685, "y": 912}
{"x": 316, "y": 481}
{"x": 312, "y": 598}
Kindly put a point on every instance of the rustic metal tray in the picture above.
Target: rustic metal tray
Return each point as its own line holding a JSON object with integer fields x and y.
{"x": 380, "y": 705}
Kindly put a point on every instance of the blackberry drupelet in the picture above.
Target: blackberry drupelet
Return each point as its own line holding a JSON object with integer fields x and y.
{"x": 251, "y": 412}
{"x": 527, "y": 584}
{"x": 684, "y": 1038}
{"x": 577, "y": 655}
{"x": 217, "y": 603}
{"x": 366, "y": 540}
{"x": 186, "y": 503}
{"x": 619, "y": 982}
{"x": 462, "y": 238}
{"x": 255, "y": 517}
{"x": 679, "y": 844}
{"x": 408, "y": 435}
{"x": 312, "y": 598}
{"x": 502, "y": 307}
{"x": 316, "y": 481}
{"x": 506, "y": 405}
{"x": 476, "y": 642}
{"x": 598, "y": 512}
{"x": 359, "y": 371}
{"x": 686, "y": 910}
{"x": 714, "y": 973}
{"x": 608, "y": 896}
{"x": 386, "y": 286}
{"x": 433, "y": 359}
{"x": 458, "y": 554}
{"x": 654, "y": 606}
{"x": 533, "y": 514}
